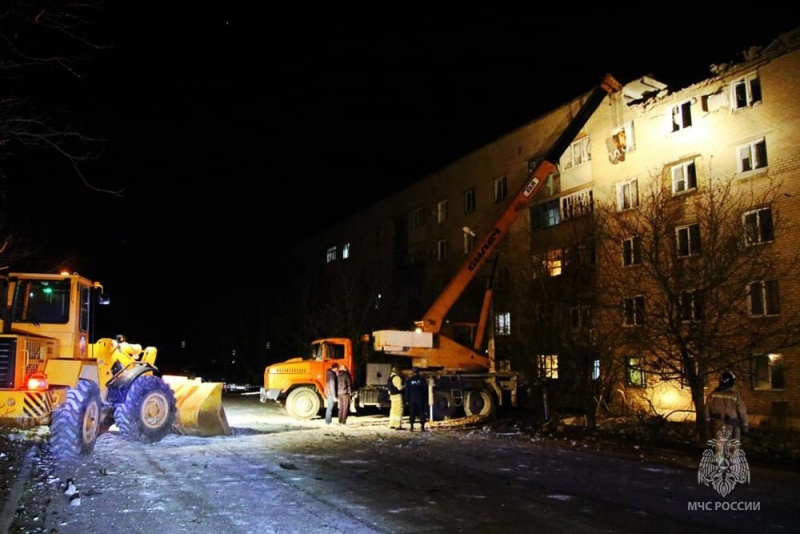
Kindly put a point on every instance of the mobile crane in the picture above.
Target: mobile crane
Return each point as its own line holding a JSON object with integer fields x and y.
{"x": 459, "y": 377}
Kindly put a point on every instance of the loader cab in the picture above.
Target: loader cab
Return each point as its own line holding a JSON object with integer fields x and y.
{"x": 59, "y": 306}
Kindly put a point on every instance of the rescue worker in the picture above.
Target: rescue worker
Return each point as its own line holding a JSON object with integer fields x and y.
{"x": 396, "y": 386}
{"x": 331, "y": 390}
{"x": 345, "y": 389}
{"x": 725, "y": 408}
{"x": 417, "y": 397}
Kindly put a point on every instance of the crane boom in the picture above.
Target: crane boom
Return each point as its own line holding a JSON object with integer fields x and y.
{"x": 434, "y": 317}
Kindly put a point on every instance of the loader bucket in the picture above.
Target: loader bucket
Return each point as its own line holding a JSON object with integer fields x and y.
{"x": 200, "y": 411}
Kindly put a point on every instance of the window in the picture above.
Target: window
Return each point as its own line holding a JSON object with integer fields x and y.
{"x": 441, "y": 249}
{"x": 578, "y": 153}
{"x": 595, "y": 369}
{"x": 627, "y": 195}
{"x": 545, "y": 215}
{"x": 752, "y": 156}
{"x": 764, "y": 299}
{"x": 548, "y": 264}
{"x": 623, "y": 143}
{"x": 469, "y": 200}
{"x": 576, "y": 204}
{"x": 469, "y": 242}
{"x": 681, "y": 116}
{"x": 691, "y": 305}
{"x": 758, "y": 226}
{"x": 500, "y": 188}
{"x": 633, "y": 311}
{"x": 580, "y": 256}
{"x": 684, "y": 177}
{"x": 502, "y": 324}
{"x": 634, "y": 372}
{"x": 331, "y": 255}
{"x": 416, "y": 219}
{"x": 548, "y": 365}
{"x": 632, "y": 251}
{"x": 441, "y": 211}
{"x": 580, "y": 317}
{"x": 746, "y": 92}
{"x": 768, "y": 371}
{"x": 345, "y": 251}
{"x": 688, "y": 239}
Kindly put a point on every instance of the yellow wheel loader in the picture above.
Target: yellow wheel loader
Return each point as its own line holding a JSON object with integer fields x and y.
{"x": 53, "y": 373}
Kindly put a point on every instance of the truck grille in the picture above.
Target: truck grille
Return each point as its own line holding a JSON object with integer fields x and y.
{"x": 8, "y": 362}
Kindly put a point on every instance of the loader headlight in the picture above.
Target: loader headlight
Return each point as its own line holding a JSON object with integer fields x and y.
{"x": 38, "y": 381}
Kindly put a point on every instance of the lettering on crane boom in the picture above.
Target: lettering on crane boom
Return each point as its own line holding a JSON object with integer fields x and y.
{"x": 484, "y": 248}
{"x": 531, "y": 186}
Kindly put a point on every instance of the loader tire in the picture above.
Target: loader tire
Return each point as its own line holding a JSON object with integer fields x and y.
{"x": 75, "y": 424}
{"x": 479, "y": 402}
{"x": 148, "y": 412}
{"x": 303, "y": 403}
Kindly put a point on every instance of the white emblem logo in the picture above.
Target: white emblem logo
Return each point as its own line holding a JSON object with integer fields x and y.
{"x": 723, "y": 464}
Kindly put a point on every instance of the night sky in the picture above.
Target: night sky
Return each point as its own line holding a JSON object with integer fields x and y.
{"x": 232, "y": 132}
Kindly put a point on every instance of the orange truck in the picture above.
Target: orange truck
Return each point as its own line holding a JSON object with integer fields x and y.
{"x": 464, "y": 381}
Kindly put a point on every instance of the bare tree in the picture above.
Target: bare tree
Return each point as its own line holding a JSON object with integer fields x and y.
{"x": 692, "y": 281}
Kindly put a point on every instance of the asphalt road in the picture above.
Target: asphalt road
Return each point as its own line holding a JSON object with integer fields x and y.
{"x": 276, "y": 475}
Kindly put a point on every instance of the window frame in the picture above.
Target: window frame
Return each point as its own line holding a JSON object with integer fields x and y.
{"x": 470, "y": 200}
{"x": 632, "y": 251}
{"x": 628, "y": 194}
{"x": 746, "y": 92}
{"x": 768, "y": 372}
{"x": 759, "y": 226}
{"x": 749, "y": 156}
{"x": 442, "y": 211}
{"x": 681, "y": 116}
{"x": 500, "y": 188}
{"x": 687, "y": 240}
{"x": 768, "y": 301}
{"x": 633, "y": 311}
{"x": 635, "y": 374}
{"x": 688, "y": 177}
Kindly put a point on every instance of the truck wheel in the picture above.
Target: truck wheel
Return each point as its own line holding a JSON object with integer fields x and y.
{"x": 443, "y": 407}
{"x": 148, "y": 412}
{"x": 303, "y": 403}
{"x": 479, "y": 402}
{"x": 75, "y": 424}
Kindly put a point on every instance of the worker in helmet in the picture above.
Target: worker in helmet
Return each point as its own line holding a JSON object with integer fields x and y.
{"x": 725, "y": 408}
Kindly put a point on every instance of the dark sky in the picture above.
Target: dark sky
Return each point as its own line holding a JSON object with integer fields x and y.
{"x": 234, "y": 130}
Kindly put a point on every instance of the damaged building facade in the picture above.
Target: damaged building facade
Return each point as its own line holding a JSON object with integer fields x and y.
{"x": 662, "y": 253}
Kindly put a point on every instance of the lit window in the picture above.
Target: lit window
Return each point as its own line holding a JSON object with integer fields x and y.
{"x": 768, "y": 371}
{"x": 633, "y": 311}
{"x": 688, "y": 240}
{"x": 596, "y": 369}
{"x": 627, "y": 194}
{"x": 752, "y": 156}
{"x": 502, "y": 324}
{"x": 684, "y": 177}
{"x": 764, "y": 299}
{"x": 632, "y": 251}
{"x": 548, "y": 263}
{"x": 345, "y": 251}
{"x": 634, "y": 372}
{"x": 441, "y": 211}
{"x": 681, "y": 116}
{"x": 469, "y": 200}
{"x": 758, "y": 226}
{"x": 331, "y": 255}
{"x": 746, "y": 92}
{"x": 500, "y": 188}
{"x": 441, "y": 250}
{"x": 548, "y": 366}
